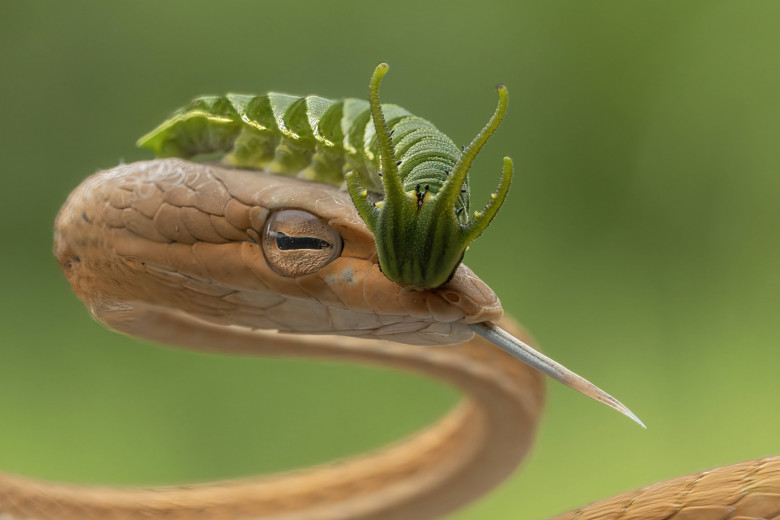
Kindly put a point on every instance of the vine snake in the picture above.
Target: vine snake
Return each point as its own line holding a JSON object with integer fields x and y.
{"x": 177, "y": 252}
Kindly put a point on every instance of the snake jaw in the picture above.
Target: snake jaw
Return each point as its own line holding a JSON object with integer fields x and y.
{"x": 420, "y": 237}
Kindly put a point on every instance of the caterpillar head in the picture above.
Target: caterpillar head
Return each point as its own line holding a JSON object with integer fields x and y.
{"x": 420, "y": 238}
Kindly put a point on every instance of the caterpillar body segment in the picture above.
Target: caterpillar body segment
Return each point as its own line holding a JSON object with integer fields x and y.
{"x": 310, "y": 137}
{"x": 408, "y": 180}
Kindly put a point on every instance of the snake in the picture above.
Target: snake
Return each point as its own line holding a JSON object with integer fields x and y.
{"x": 177, "y": 252}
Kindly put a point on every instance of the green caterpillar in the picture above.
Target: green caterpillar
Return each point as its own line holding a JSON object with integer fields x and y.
{"x": 421, "y": 225}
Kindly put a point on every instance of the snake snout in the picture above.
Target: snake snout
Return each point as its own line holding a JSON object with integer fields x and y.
{"x": 466, "y": 293}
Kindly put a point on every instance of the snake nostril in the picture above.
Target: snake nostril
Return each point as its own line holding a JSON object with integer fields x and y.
{"x": 451, "y": 297}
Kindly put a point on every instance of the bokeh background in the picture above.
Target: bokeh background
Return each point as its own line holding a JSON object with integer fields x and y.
{"x": 639, "y": 243}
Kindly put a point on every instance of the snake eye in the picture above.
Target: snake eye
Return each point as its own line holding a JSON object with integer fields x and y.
{"x": 297, "y": 243}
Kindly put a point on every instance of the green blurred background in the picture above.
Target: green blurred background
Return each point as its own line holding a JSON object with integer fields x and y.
{"x": 639, "y": 243}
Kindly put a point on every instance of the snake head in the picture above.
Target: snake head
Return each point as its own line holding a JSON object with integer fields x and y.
{"x": 421, "y": 234}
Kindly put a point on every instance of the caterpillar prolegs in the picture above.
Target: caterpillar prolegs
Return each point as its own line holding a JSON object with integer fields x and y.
{"x": 407, "y": 179}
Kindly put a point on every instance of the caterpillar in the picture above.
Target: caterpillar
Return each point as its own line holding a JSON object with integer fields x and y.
{"x": 407, "y": 179}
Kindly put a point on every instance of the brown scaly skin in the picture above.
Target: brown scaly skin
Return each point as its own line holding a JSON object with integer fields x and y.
{"x": 166, "y": 251}
{"x": 170, "y": 233}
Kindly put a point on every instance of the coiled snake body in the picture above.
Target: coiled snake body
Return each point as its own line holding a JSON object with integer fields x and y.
{"x": 177, "y": 252}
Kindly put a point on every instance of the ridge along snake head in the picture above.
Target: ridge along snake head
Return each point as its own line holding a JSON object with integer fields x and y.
{"x": 420, "y": 238}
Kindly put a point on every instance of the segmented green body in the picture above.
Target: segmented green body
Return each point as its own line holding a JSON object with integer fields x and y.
{"x": 417, "y": 208}
{"x": 309, "y": 137}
